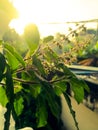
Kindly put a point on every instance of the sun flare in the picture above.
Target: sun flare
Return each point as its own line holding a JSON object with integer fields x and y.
{"x": 51, "y": 11}
{"x": 38, "y": 12}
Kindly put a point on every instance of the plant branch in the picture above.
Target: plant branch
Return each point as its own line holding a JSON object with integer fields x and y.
{"x": 2, "y": 84}
{"x": 57, "y": 80}
{"x": 25, "y": 81}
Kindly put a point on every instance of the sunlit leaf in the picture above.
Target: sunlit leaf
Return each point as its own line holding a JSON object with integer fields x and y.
{"x": 1, "y": 42}
{"x": 18, "y": 105}
{"x": 57, "y": 90}
{"x": 12, "y": 61}
{"x": 17, "y": 88}
{"x": 14, "y": 53}
{"x": 35, "y": 90}
{"x": 32, "y": 37}
{"x": 96, "y": 46}
{"x": 3, "y": 97}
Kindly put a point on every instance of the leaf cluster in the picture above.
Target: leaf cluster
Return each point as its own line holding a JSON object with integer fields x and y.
{"x": 31, "y": 87}
{"x": 72, "y": 45}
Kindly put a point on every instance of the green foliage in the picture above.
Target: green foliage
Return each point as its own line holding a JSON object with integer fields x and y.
{"x": 32, "y": 87}
{"x": 32, "y": 37}
{"x": 39, "y": 65}
{"x": 12, "y": 52}
{"x": 2, "y": 65}
{"x": 18, "y": 105}
{"x": 9, "y": 84}
{"x": 41, "y": 112}
{"x": 72, "y": 45}
{"x": 47, "y": 39}
{"x": 15, "y": 40}
{"x": 60, "y": 87}
{"x": 3, "y": 97}
{"x": 77, "y": 89}
{"x": 90, "y": 49}
{"x": 77, "y": 85}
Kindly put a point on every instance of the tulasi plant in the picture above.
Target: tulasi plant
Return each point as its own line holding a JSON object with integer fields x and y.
{"x": 32, "y": 87}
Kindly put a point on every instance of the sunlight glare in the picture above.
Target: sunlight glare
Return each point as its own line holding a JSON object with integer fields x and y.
{"x": 52, "y": 11}
{"x": 38, "y": 12}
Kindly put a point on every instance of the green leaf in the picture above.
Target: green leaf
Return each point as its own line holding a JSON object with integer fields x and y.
{"x": 96, "y": 45}
{"x": 53, "y": 102}
{"x": 1, "y": 41}
{"x": 1, "y": 76}
{"x": 32, "y": 37}
{"x": 60, "y": 87}
{"x": 9, "y": 85}
{"x": 51, "y": 56}
{"x": 33, "y": 47}
{"x": 54, "y": 106}
{"x": 66, "y": 70}
{"x": 57, "y": 90}
{"x": 51, "y": 99}
{"x": 2, "y": 62}
{"x": 38, "y": 64}
{"x": 2, "y": 65}
{"x": 78, "y": 89}
{"x": 71, "y": 110}
{"x": 3, "y": 97}
{"x": 14, "y": 53}
{"x": 17, "y": 88}
{"x": 41, "y": 112}
{"x": 12, "y": 61}
{"x": 35, "y": 90}
{"x": 48, "y": 39}
{"x": 85, "y": 86}
{"x": 18, "y": 105}
{"x": 77, "y": 85}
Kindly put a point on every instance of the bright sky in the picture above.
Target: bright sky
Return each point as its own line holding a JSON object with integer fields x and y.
{"x": 45, "y": 11}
